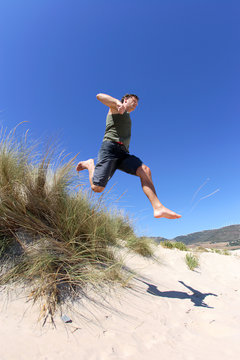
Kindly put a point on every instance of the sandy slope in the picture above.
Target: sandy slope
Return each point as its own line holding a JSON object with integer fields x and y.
{"x": 169, "y": 313}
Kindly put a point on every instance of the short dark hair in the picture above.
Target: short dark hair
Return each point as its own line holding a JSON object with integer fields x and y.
{"x": 128, "y": 96}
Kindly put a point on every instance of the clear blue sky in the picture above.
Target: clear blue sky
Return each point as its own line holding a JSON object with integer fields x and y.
{"x": 181, "y": 58}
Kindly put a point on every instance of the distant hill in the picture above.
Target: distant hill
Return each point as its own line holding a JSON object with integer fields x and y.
{"x": 228, "y": 234}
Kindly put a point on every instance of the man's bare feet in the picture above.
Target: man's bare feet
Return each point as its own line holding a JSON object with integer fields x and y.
{"x": 83, "y": 165}
{"x": 163, "y": 212}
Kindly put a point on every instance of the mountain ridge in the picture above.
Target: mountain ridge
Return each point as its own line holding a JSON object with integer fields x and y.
{"x": 227, "y": 234}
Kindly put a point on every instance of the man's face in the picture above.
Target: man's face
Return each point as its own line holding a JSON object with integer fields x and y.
{"x": 131, "y": 103}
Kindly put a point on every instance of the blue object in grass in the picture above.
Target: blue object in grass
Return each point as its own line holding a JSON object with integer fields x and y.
{"x": 66, "y": 319}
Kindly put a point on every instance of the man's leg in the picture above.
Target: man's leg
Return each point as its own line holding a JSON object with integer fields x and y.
{"x": 89, "y": 165}
{"x": 147, "y": 184}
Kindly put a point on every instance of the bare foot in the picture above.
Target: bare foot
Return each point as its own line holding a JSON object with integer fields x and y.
{"x": 83, "y": 165}
{"x": 163, "y": 212}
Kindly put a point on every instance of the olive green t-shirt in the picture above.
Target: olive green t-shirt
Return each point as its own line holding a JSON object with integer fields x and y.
{"x": 118, "y": 128}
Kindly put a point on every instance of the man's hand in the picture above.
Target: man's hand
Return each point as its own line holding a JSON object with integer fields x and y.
{"x": 121, "y": 108}
{"x": 115, "y": 105}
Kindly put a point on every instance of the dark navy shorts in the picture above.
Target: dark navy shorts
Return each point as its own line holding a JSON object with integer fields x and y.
{"x": 113, "y": 156}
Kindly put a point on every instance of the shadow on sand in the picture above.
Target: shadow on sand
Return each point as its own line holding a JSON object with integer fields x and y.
{"x": 196, "y": 297}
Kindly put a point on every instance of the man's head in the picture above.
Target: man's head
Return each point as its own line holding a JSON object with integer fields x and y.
{"x": 130, "y": 101}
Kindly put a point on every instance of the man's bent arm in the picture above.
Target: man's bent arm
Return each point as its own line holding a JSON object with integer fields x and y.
{"x": 114, "y": 104}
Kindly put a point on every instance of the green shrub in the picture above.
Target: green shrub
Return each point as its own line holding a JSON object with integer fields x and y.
{"x": 167, "y": 244}
{"x": 191, "y": 261}
{"x": 140, "y": 245}
{"x": 221, "y": 252}
{"x": 225, "y": 252}
{"x": 202, "y": 249}
{"x": 180, "y": 246}
{"x": 174, "y": 245}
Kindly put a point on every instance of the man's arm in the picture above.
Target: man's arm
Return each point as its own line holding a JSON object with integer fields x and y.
{"x": 115, "y": 105}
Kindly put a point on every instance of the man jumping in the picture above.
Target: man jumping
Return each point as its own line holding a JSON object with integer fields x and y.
{"x": 114, "y": 153}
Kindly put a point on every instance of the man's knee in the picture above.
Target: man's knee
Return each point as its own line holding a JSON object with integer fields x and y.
{"x": 143, "y": 170}
{"x": 97, "y": 188}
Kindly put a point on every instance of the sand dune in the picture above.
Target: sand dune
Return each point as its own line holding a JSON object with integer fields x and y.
{"x": 169, "y": 312}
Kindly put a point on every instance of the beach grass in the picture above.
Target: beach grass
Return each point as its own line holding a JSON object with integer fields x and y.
{"x": 180, "y": 246}
{"x": 174, "y": 245}
{"x": 53, "y": 238}
{"x": 192, "y": 261}
{"x": 143, "y": 245}
{"x": 221, "y": 251}
{"x": 167, "y": 244}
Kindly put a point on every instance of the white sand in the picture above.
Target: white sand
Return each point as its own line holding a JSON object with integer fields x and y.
{"x": 168, "y": 314}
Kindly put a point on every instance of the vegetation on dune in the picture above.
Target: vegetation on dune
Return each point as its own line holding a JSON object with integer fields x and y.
{"x": 192, "y": 261}
{"x": 143, "y": 245}
{"x": 221, "y": 251}
{"x": 167, "y": 244}
{"x": 218, "y": 251}
{"x": 53, "y": 238}
{"x": 174, "y": 245}
{"x": 180, "y": 246}
{"x": 202, "y": 249}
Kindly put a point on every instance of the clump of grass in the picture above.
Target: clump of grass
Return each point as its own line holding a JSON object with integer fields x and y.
{"x": 174, "y": 245}
{"x": 192, "y": 261}
{"x": 65, "y": 237}
{"x": 180, "y": 246}
{"x": 167, "y": 244}
{"x": 122, "y": 225}
{"x": 202, "y": 249}
{"x": 220, "y": 252}
{"x": 225, "y": 252}
{"x": 217, "y": 251}
{"x": 141, "y": 245}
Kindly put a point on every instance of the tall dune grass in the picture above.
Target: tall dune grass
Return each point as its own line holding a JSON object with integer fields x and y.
{"x": 53, "y": 238}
